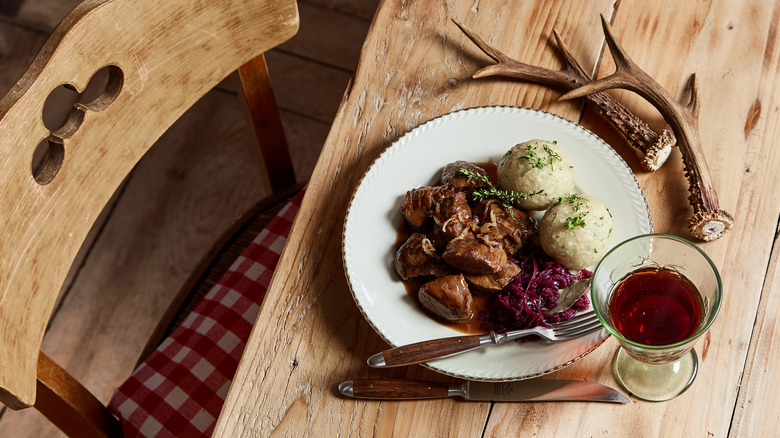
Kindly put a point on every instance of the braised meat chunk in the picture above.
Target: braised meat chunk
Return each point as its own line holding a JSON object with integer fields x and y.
{"x": 451, "y": 216}
{"x": 474, "y": 256}
{"x": 509, "y": 227}
{"x": 418, "y": 258}
{"x": 447, "y": 298}
{"x": 419, "y": 203}
{"x": 464, "y": 241}
{"x": 492, "y": 283}
{"x": 453, "y": 177}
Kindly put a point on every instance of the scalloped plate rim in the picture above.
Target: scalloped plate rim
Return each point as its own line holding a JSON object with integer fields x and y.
{"x": 487, "y": 368}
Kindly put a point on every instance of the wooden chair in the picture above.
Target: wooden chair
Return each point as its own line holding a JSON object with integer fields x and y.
{"x": 161, "y": 57}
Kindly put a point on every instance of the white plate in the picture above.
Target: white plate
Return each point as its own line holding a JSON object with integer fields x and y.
{"x": 416, "y": 159}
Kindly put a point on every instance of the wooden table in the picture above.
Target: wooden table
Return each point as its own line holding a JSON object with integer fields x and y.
{"x": 415, "y": 65}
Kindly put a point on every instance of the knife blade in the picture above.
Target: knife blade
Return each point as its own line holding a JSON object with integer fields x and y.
{"x": 534, "y": 390}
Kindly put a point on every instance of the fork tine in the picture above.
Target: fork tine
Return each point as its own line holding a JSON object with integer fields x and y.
{"x": 586, "y": 314}
{"x": 580, "y": 334}
{"x": 582, "y": 318}
{"x": 566, "y": 331}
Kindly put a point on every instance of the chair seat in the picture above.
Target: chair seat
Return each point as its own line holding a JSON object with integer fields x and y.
{"x": 179, "y": 389}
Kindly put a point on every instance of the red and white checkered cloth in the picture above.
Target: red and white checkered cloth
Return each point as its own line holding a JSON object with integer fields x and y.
{"x": 180, "y": 388}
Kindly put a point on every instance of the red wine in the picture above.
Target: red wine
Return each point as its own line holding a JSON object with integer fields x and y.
{"x": 655, "y": 306}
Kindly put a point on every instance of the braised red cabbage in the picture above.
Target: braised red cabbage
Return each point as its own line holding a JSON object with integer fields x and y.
{"x": 524, "y": 302}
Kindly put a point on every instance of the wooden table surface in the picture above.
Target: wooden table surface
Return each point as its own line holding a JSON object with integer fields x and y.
{"x": 416, "y": 65}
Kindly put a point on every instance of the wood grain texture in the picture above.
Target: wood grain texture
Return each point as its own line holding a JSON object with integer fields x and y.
{"x": 266, "y": 122}
{"x": 46, "y": 224}
{"x": 68, "y": 404}
{"x": 709, "y": 221}
{"x": 742, "y": 257}
{"x": 758, "y": 403}
{"x": 414, "y": 67}
{"x": 138, "y": 262}
{"x": 202, "y": 168}
{"x": 427, "y": 350}
{"x": 398, "y": 388}
{"x": 329, "y": 37}
{"x": 290, "y": 383}
{"x": 18, "y": 47}
{"x": 186, "y": 190}
{"x": 757, "y": 410}
{"x": 307, "y": 78}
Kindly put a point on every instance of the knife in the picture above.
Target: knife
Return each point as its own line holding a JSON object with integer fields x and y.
{"x": 519, "y": 391}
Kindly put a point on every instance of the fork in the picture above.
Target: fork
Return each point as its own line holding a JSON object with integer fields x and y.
{"x": 424, "y": 351}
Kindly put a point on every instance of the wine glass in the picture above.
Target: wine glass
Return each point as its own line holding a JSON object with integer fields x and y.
{"x": 657, "y": 294}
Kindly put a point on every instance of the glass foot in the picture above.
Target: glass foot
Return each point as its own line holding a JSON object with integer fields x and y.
{"x": 655, "y": 382}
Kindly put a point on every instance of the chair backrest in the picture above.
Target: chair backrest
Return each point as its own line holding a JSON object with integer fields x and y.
{"x": 161, "y": 57}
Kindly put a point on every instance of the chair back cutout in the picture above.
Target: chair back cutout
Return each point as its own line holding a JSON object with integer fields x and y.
{"x": 160, "y": 58}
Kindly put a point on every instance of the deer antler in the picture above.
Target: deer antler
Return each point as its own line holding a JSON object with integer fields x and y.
{"x": 709, "y": 221}
{"x": 654, "y": 148}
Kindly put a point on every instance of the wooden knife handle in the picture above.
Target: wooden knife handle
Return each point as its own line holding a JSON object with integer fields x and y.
{"x": 398, "y": 389}
{"x": 427, "y": 350}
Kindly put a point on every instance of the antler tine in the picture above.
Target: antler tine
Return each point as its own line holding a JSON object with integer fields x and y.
{"x": 509, "y": 67}
{"x": 709, "y": 221}
{"x": 485, "y": 47}
{"x": 654, "y": 148}
{"x": 627, "y": 74}
{"x": 571, "y": 61}
{"x": 692, "y": 90}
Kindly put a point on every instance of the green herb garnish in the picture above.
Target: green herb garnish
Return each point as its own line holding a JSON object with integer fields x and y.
{"x": 536, "y": 161}
{"x": 507, "y": 197}
{"x": 577, "y": 221}
{"x": 554, "y": 156}
{"x": 574, "y": 199}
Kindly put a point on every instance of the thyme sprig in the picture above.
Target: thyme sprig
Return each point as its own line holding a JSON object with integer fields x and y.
{"x": 507, "y": 197}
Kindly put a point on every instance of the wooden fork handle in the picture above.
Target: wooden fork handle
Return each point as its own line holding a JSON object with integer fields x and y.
{"x": 424, "y": 351}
